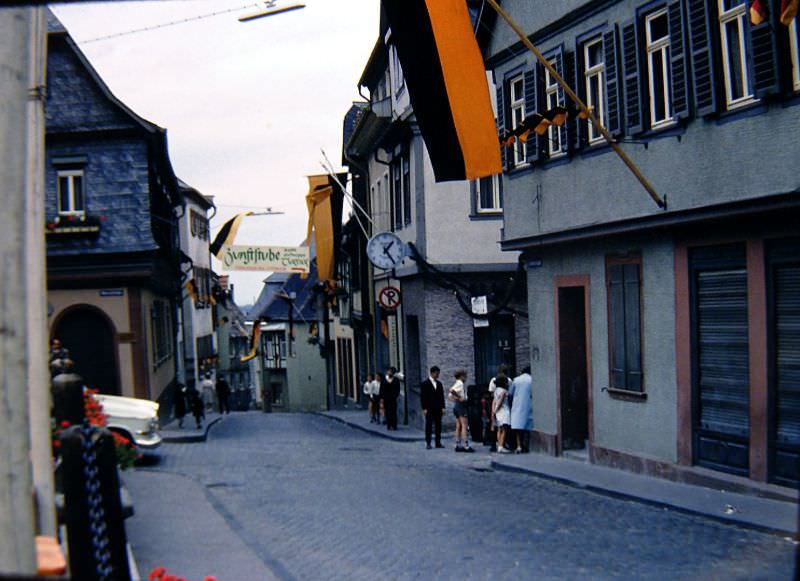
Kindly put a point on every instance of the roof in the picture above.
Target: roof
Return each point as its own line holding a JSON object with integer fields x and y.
{"x": 276, "y": 308}
{"x": 351, "y": 119}
{"x": 376, "y": 65}
{"x": 206, "y": 202}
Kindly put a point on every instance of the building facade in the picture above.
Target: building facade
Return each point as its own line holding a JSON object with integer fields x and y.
{"x": 453, "y": 231}
{"x": 196, "y": 338}
{"x": 662, "y": 339}
{"x": 233, "y": 341}
{"x": 112, "y": 236}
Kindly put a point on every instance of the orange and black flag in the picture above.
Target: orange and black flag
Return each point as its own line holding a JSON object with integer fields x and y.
{"x": 227, "y": 234}
{"x": 255, "y": 338}
{"x": 446, "y": 80}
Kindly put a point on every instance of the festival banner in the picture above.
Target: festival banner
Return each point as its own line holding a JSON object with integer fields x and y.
{"x": 269, "y": 258}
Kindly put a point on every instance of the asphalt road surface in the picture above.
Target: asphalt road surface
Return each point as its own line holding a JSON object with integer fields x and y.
{"x": 304, "y": 497}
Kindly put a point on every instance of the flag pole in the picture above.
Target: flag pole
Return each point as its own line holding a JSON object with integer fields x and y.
{"x": 581, "y": 105}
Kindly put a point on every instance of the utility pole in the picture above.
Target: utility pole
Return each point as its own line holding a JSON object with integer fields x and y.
{"x": 25, "y": 461}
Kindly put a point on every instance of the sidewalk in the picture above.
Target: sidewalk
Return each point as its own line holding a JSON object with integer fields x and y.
{"x": 172, "y": 433}
{"x": 360, "y": 421}
{"x": 769, "y": 515}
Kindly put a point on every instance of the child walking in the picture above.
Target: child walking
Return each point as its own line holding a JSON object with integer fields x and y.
{"x": 458, "y": 394}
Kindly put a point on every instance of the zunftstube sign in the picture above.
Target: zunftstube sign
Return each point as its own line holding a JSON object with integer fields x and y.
{"x": 271, "y": 258}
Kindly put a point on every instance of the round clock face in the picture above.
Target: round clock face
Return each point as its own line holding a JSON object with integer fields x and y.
{"x": 385, "y": 250}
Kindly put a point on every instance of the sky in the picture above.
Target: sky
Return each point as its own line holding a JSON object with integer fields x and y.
{"x": 247, "y": 106}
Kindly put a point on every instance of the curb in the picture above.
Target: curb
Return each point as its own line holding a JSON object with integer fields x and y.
{"x": 187, "y": 439}
{"x": 621, "y": 495}
{"x": 385, "y": 435}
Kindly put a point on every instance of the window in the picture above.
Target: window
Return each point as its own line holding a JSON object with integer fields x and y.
{"x": 401, "y": 191}
{"x": 738, "y": 87}
{"x": 275, "y": 350}
{"x": 517, "y": 109}
{"x": 399, "y": 79}
{"x": 594, "y": 79}
{"x": 161, "y": 332}
{"x": 623, "y": 285}
{"x": 202, "y": 286}
{"x": 488, "y": 195}
{"x": 70, "y": 192}
{"x": 551, "y": 94}
{"x": 794, "y": 44}
{"x": 658, "y": 69}
{"x": 199, "y": 225}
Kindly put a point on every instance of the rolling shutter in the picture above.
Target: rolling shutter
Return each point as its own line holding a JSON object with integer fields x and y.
{"x": 613, "y": 95}
{"x": 763, "y": 54}
{"x": 501, "y": 124}
{"x": 678, "y": 66}
{"x": 702, "y": 55}
{"x": 721, "y": 353}
{"x": 633, "y": 91}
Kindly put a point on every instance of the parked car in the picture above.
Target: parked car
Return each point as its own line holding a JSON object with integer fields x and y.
{"x": 136, "y": 419}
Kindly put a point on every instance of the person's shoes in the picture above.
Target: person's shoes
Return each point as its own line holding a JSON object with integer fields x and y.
{"x": 440, "y": 445}
{"x": 503, "y": 451}
{"x": 428, "y": 446}
{"x": 459, "y": 448}
{"x": 518, "y": 451}
{"x": 469, "y": 449}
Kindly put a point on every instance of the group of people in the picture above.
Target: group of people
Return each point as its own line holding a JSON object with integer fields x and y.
{"x": 382, "y": 397}
{"x": 189, "y": 399}
{"x": 510, "y": 418}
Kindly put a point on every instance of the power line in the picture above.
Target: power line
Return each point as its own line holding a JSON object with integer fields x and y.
{"x": 171, "y": 23}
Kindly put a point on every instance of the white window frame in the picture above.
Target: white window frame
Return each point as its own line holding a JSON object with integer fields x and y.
{"x": 399, "y": 78}
{"x": 71, "y": 174}
{"x": 516, "y": 103}
{"x": 551, "y": 87}
{"x": 595, "y": 73}
{"x": 794, "y": 50}
{"x": 739, "y": 14}
{"x": 662, "y": 45}
{"x": 497, "y": 206}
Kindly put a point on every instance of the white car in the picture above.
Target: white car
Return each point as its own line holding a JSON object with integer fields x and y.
{"x": 136, "y": 419}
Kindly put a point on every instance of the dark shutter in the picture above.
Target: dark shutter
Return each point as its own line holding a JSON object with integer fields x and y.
{"x": 679, "y": 71}
{"x": 633, "y": 75}
{"x": 559, "y": 64}
{"x": 633, "y": 327}
{"x": 702, "y": 52}
{"x": 531, "y": 80}
{"x": 613, "y": 95}
{"x": 616, "y": 289}
{"x": 501, "y": 123}
{"x": 763, "y": 54}
{"x": 579, "y": 80}
{"x": 721, "y": 353}
{"x": 570, "y": 126}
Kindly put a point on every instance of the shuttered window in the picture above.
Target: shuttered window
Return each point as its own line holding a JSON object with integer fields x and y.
{"x": 594, "y": 74}
{"x": 702, "y": 57}
{"x": 554, "y": 97}
{"x": 516, "y": 90}
{"x": 794, "y": 47}
{"x": 501, "y": 123}
{"x": 679, "y": 81}
{"x": 763, "y": 54}
{"x": 736, "y": 70}
{"x": 623, "y": 283}
{"x": 657, "y": 46}
{"x": 532, "y": 78}
{"x": 633, "y": 92}
{"x": 613, "y": 89}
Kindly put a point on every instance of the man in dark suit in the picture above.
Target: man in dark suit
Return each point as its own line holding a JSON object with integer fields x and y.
{"x": 390, "y": 391}
{"x": 432, "y": 396}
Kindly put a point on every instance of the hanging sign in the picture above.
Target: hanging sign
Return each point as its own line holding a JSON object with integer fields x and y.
{"x": 480, "y": 307}
{"x": 271, "y": 258}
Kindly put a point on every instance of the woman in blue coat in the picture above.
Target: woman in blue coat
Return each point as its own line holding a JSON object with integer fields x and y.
{"x": 522, "y": 409}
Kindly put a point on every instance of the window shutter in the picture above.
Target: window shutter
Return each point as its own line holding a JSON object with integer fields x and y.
{"x": 559, "y": 61}
{"x": 531, "y": 80}
{"x": 633, "y": 336}
{"x": 702, "y": 53}
{"x": 613, "y": 118}
{"x": 616, "y": 290}
{"x": 501, "y": 124}
{"x": 473, "y": 196}
{"x": 581, "y": 130}
{"x": 763, "y": 54}
{"x": 678, "y": 69}
{"x": 571, "y": 124}
{"x": 633, "y": 91}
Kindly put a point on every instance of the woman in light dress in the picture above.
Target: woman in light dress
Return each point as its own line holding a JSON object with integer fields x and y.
{"x": 501, "y": 413}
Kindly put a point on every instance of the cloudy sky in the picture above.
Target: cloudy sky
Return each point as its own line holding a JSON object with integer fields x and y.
{"x": 247, "y": 105}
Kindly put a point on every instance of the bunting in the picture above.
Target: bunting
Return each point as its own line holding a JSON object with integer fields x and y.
{"x": 227, "y": 234}
{"x": 255, "y": 339}
{"x": 446, "y": 79}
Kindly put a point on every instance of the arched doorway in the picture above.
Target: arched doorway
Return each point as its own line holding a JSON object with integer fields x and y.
{"x": 90, "y": 337}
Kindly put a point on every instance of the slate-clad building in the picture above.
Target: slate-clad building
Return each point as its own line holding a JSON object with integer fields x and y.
{"x": 112, "y": 237}
{"x": 662, "y": 340}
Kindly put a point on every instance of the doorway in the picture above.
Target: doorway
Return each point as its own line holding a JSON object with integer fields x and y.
{"x": 90, "y": 337}
{"x": 573, "y": 371}
{"x": 494, "y": 346}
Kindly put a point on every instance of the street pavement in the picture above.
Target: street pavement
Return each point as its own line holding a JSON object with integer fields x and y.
{"x": 304, "y": 497}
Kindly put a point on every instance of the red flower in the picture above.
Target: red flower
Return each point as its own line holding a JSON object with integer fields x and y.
{"x": 65, "y": 424}
{"x": 209, "y": 578}
{"x": 56, "y": 443}
{"x": 157, "y": 573}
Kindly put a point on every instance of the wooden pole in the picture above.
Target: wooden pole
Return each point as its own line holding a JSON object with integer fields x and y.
{"x": 580, "y": 104}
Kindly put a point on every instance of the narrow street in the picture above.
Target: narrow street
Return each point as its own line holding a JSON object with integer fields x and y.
{"x": 303, "y": 497}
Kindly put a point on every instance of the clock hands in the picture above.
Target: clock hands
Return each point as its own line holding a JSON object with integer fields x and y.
{"x": 386, "y": 251}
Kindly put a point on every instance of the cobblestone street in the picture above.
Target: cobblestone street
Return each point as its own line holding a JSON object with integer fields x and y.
{"x": 303, "y": 497}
